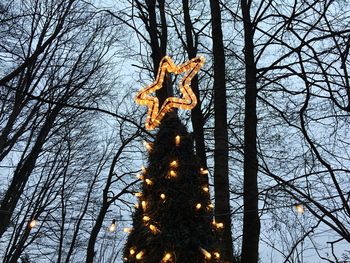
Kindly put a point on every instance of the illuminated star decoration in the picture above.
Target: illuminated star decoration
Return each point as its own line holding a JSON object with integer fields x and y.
{"x": 187, "y": 102}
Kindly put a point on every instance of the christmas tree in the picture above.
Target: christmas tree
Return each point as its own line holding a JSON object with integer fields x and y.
{"x": 173, "y": 221}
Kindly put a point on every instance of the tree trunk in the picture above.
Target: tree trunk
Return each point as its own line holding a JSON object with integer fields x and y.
{"x": 251, "y": 222}
{"x": 196, "y": 114}
{"x": 221, "y": 176}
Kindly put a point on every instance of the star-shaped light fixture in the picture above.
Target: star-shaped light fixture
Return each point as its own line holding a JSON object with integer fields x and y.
{"x": 187, "y": 102}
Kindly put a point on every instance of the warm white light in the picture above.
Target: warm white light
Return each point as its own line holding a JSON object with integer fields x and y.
{"x": 174, "y": 164}
{"x": 127, "y": 230}
{"x": 177, "y": 140}
{"x": 153, "y": 229}
{"x": 167, "y": 257}
{"x": 146, "y": 218}
{"x": 300, "y": 208}
{"x": 140, "y": 255}
{"x": 143, "y": 169}
{"x": 132, "y": 251}
{"x": 33, "y": 223}
{"x": 172, "y": 173}
{"x": 149, "y": 181}
{"x": 217, "y": 255}
{"x": 204, "y": 171}
{"x": 144, "y": 205}
{"x": 162, "y": 196}
{"x": 198, "y": 206}
{"x": 138, "y": 194}
{"x": 148, "y": 146}
{"x": 186, "y": 102}
{"x": 113, "y": 226}
{"x": 205, "y": 189}
{"x": 206, "y": 254}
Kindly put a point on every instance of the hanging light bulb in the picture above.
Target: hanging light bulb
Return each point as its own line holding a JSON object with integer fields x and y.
{"x": 299, "y": 208}
{"x": 218, "y": 225}
{"x": 162, "y": 196}
{"x": 204, "y": 171}
{"x": 154, "y": 229}
{"x": 146, "y": 218}
{"x": 167, "y": 257}
{"x": 140, "y": 255}
{"x": 174, "y": 164}
{"x": 132, "y": 251}
{"x": 139, "y": 194}
{"x": 205, "y": 189}
{"x": 172, "y": 174}
{"x": 140, "y": 176}
{"x": 127, "y": 230}
{"x": 148, "y": 146}
{"x": 177, "y": 140}
{"x": 113, "y": 226}
{"x": 33, "y": 223}
{"x": 144, "y": 205}
{"x": 206, "y": 254}
{"x": 143, "y": 169}
{"x": 198, "y": 206}
{"x": 216, "y": 255}
{"x": 149, "y": 181}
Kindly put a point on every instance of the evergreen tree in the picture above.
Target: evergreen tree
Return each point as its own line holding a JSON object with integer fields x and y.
{"x": 173, "y": 221}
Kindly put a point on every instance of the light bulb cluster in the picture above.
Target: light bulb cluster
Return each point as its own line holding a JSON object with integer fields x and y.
{"x": 187, "y": 102}
{"x": 152, "y": 226}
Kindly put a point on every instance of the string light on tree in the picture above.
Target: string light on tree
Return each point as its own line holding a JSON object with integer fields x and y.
{"x": 177, "y": 140}
{"x": 204, "y": 171}
{"x": 140, "y": 255}
{"x": 300, "y": 209}
{"x": 206, "y": 254}
{"x": 33, "y": 223}
{"x": 148, "y": 146}
{"x": 188, "y": 100}
{"x": 167, "y": 257}
{"x": 127, "y": 230}
{"x": 113, "y": 226}
{"x": 198, "y": 206}
{"x": 162, "y": 196}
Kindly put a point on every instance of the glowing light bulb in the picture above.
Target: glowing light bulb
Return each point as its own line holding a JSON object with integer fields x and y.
{"x": 198, "y": 206}
{"x": 140, "y": 255}
{"x": 177, "y": 140}
{"x": 299, "y": 208}
{"x": 172, "y": 173}
{"x": 144, "y": 205}
{"x": 162, "y": 196}
{"x": 149, "y": 181}
{"x": 113, "y": 226}
{"x": 148, "y": 146}
{"x": 146, "y": 218}
{"x": 127, "y": 230}
{"x": 167, "y": 257}
{"x": 174, "y": 164}
{"x": 140, "y": 176}
{"x": 216, "y": 255}
{"x": 143, "y": 169}
{"x": 205, "y": 189}
{"x": 219, "y": 225}
{"x": 139, "y": 194}
{"x": 204, "y": 171}
{"x": 206, "y": 254}
{"x": 136, "y": 205}
{"x": 33, "y": 223}
{"x": 154, "y": 229}
{"x": 132, "y": 251}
